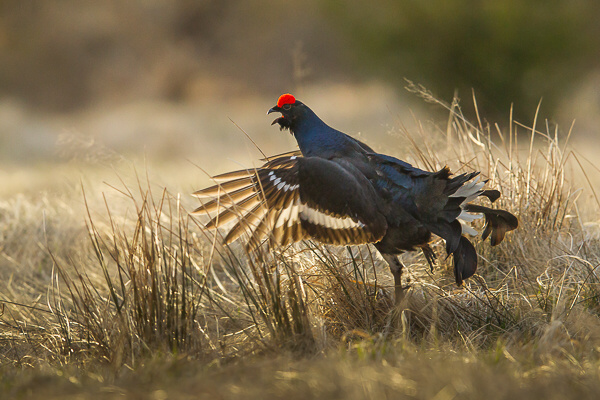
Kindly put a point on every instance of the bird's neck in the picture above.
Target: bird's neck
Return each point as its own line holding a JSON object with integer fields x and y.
{"x": 315, "y": 137}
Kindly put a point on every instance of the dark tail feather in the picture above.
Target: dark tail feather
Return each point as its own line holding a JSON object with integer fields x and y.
{"x": 465, "y": 260}
{"x": 449, "y": 231}
{"x": 491, "y": 194}
{"x": 497, "y": 222}
{"x": 465, "y": 257}
{"x": 455, "y": 183}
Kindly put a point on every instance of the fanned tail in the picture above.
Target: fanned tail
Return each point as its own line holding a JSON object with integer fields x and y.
{"x": 454, "y": 219}
{"x": 497, "y": 222}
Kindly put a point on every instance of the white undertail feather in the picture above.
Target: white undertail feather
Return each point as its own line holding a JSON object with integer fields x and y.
{"x": 468, "y": 217}
{"x": 467, "y": 229}
{"x": 470, "y": 191}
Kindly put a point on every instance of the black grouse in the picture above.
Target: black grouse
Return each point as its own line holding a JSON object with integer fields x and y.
{"x": 337, "y": 190}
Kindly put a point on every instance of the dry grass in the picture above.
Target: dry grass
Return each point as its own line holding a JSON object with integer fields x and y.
{"x": 142, "y": 302}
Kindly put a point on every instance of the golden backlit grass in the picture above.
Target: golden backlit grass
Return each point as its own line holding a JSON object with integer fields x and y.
{"x": 140, "y": 301}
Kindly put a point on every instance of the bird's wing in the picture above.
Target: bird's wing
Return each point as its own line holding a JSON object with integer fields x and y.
{"x": 291, "y": 198}
{"x": 296, "y": 153}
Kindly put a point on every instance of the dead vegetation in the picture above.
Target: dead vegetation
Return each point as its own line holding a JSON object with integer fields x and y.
{"x": 142, "y": 301}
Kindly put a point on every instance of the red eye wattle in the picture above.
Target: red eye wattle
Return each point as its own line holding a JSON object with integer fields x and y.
{"x": 285, "y": 99}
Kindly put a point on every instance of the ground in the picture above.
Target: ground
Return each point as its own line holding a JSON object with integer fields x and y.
{"x": 110, "y": 289}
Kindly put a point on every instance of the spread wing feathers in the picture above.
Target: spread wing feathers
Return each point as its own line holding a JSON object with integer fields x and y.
{"x": 296, "y": 153}
{"x": 290, "y": 198}
{"x": 340, "y": 204}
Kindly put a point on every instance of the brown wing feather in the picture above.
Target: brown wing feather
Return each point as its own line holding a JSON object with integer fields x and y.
{"x": 290, "y": 198}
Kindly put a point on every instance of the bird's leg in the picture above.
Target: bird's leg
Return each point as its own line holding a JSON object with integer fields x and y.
{"x": 396, "y": 267}
{"x": 429, "y": 256}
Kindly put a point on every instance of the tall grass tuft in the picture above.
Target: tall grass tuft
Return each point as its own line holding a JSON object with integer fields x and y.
{"x": 150, "y": 280}
{"x": 142, "y": 287}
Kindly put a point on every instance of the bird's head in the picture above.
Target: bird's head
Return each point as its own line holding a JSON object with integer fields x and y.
{"x": 290, "y": 109}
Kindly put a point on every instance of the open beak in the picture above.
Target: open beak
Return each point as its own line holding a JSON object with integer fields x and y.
{"x": 272, "y": 110}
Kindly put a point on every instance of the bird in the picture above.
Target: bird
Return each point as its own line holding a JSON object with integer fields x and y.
{"x": 337, "y": 190}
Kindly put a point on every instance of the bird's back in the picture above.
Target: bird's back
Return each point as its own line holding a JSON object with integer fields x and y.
{"x": 342, "y": 192}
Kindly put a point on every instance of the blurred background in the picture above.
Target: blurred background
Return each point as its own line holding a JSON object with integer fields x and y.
{"x": 99, "y": 82}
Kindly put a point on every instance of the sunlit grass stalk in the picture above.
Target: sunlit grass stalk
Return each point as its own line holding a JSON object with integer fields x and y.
{"x": 155, "y": 281}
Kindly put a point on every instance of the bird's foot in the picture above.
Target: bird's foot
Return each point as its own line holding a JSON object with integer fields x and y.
{"x": 430, "y": 256}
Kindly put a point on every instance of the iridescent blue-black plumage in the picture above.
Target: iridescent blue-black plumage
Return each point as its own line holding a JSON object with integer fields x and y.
{"x": 338, "y": 190}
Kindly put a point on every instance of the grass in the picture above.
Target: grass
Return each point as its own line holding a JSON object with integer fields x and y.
{"x": 142, "y": 302}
